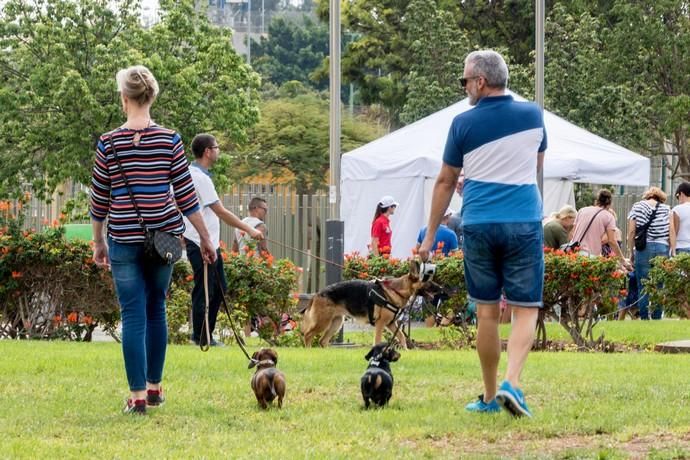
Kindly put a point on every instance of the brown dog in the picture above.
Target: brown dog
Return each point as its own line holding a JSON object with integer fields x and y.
{"x": 267, "y": 382}
{"x": 375, "y": 302}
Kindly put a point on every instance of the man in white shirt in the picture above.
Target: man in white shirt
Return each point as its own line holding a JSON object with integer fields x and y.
{"x": 258, "y": 209}
{"x": 206, "y": 152}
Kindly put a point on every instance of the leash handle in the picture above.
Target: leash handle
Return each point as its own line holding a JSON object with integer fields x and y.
{"x": 205, "y": 329}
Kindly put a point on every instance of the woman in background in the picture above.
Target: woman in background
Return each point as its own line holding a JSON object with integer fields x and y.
{"x": 381, "y": 232}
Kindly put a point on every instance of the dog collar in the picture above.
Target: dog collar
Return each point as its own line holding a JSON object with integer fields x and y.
{"x": 265, "y": 362}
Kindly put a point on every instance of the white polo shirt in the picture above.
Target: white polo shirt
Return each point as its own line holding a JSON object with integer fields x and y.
{"x": 206, "y": 192}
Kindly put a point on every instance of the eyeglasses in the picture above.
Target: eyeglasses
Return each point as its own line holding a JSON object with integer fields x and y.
{"x": 214, "y": 147}
{"x": 463, "y": 81}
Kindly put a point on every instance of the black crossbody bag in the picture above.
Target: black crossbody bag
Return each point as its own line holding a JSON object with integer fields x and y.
{"x": 574, "y": 246}
{"x": 641, "y": 232}
{"x": 159, "y": 246}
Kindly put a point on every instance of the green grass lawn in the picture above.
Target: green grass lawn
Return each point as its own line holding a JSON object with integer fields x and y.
{"x": 644, "y": 333}
{"x": 63, "y": 400}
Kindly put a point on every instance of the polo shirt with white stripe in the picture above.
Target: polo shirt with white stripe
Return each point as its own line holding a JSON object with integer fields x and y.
{"x": 496, "y": 143}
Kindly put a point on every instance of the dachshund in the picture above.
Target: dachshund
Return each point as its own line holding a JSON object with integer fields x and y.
{"x": 267, "y": 382}
{"x": 377, "y": 381}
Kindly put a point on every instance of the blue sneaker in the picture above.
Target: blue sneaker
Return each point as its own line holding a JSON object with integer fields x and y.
{"x": 480, "y": 406}
{"x": 512, "y": 400}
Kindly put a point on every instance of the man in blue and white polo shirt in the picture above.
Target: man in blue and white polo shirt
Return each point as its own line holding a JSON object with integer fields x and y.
{"x": 500, "y": 145}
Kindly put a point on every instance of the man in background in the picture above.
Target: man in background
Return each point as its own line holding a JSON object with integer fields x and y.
{"x": 206, "y": 152}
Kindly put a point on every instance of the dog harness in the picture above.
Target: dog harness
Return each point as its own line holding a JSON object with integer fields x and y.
{"x": 378, "y": 297}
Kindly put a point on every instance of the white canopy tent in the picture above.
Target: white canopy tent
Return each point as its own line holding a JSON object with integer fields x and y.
{"x": 405, "y": 164}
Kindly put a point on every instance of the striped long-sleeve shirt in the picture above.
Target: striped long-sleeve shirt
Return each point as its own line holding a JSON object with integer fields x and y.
{"x": 151, "y": 167}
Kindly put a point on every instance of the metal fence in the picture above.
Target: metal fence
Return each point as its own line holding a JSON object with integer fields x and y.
{"x": 296, "y": 227}
{"x": 296, "y": 223}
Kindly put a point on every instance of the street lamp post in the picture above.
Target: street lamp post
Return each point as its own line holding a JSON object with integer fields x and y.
{"x": 539, "y": 71}
{"x": 334, "y": 226}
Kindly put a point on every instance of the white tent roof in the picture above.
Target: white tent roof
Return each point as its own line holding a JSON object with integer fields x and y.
{"x": 405, "y": 163}
{"x": 573, "y": 153}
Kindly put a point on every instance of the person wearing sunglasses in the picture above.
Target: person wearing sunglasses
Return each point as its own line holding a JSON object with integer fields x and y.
{"x": 206, "y": 153}
{"x": 499, "y": 144}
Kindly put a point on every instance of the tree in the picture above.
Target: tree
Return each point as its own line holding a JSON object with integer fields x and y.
{"x": 624, "y": 74}
{"x": 292, "y": 52}
{"x": 291, "y": 140}
{"x": 378, "y": 61}
{"x": 433, "y": 81}
{"x": 579, "y": 83}
{"x": 58, "y": 63}
{"x": 650, "y": 53}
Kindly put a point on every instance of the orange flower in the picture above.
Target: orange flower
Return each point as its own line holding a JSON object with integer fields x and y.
{"x": 386, "y": 256}
{"x": 224, "y": 255}
{"x": 623, "y": 292}
{"x": 4, "y": 205}
{"x": 57, "y": 318}
{"x": 73, "y": 317}
{"x": 55, "y": 223}
{"x": 16, "y": 275}
{"x": 614, "y": 299}
{"x": 189, "y": 278}
{"x": 250, "y": 253}
{"x": 88, "y": 320}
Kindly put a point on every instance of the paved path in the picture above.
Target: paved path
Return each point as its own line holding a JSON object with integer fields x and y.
{"x": 679, "y": 346}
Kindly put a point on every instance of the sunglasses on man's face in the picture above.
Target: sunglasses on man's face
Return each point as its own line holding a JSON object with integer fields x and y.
{"x": 464, "y": 81}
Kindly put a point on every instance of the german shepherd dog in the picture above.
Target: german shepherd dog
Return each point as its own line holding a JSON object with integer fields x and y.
{"x": 377, "y": 381}
{"x": 376, "y": 302}
{"x": 267, "y": 382}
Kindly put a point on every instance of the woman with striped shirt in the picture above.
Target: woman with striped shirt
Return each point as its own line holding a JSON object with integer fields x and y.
{"x": 153, "y": 161}
{"x": 658, "y": 234}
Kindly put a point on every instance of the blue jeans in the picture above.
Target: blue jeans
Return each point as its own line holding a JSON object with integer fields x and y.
{"x": 643, "y": 263}
{"x": 505, "y": 257}
{"x": 141, "y": 289}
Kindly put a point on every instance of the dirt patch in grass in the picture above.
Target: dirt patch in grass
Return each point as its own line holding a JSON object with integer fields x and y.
{"x": 516, "y": 445}
{"x": 551, "y": 345}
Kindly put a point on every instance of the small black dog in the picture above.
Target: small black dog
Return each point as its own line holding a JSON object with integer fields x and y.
{"x": 377, "y": 381}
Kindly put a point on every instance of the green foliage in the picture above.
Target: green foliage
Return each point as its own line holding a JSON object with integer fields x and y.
{"x": 291, "y": 140}
{"x": 178, "y": 305}
{"x": 261, "y": 287}
{"x": 58, "y": 65}
{"x": 292, "y": 51}
{"x": 669, "y": 284}
{"x": 578, "y": 290}
{"x": 50, "y": 287}
{"x": 433, "y": 80}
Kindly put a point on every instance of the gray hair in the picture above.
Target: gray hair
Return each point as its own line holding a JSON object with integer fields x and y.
{"x": 490, "y": 65}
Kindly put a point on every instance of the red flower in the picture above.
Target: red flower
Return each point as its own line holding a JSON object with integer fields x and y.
{"x": 16, "y": 275}
{"x": 73, "y": 317}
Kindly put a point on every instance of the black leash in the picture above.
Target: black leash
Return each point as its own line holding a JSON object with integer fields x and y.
{"x": 239, "y": 339}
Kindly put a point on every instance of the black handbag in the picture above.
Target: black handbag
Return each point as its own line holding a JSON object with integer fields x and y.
{"x": 641, "y": 232}
{"x": 159, "y": 246}
{"x": 574, "y": 245}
